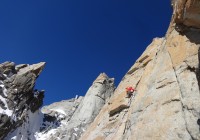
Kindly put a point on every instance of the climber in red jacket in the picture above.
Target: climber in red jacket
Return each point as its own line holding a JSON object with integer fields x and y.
{"x": 129, "y": 91}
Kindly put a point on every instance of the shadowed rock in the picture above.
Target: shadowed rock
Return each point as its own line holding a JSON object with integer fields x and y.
{"x": 17, "y": 94}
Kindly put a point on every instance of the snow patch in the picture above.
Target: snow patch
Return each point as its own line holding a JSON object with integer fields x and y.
{"x": 14, "y": 138}
{"x": 5, "y": 75}
{"x": 29, "y": 129}
{"x": 59, "y": 111}
{"x": 75, "y": 134}
{"x": 36, "y": 93}
{"x": 5, "y": 111}
{"x": 45, "y": 136}
{"x": 76, "y": 129}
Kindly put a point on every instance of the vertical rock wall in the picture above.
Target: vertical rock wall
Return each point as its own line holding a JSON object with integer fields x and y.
{"x": 166, "y": 104}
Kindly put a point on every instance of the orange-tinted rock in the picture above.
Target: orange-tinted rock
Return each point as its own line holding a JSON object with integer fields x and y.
{"x": 167, "y": 102}
{"x": 187, "y": 12}
{"x": 118, "y": 104}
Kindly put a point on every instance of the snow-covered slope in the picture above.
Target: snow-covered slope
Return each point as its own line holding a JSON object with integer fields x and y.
{"x": 41, "y": 126}
{"x": 3, "y": 98}
{"x": 30, "y": 127}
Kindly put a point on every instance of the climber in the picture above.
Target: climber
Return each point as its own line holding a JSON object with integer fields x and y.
{"x": 129, "y": 91}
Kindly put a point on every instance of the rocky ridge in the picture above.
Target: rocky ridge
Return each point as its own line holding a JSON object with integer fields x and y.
{"x": 78, "y": 118}
{"x": 65, "y": 120}
{"x": 166, "y": 76}
{"x": 17, "y": 94}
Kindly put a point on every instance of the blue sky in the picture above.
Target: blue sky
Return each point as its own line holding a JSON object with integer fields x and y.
{"x": 79, "y": 39}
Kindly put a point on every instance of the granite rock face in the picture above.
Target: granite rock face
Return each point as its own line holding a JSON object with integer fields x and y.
{"x": 76, "y": 122}
{"x": 17, "y": 94}
{"x": 166, "y": 105}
